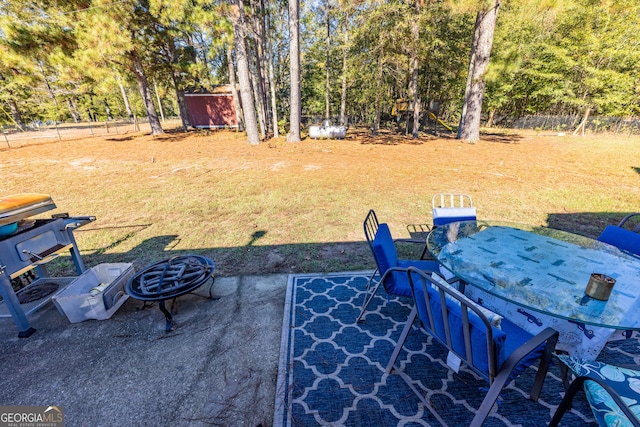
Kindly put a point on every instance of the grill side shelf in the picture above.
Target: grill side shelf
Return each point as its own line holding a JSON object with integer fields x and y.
{"x": 42, "y": 258}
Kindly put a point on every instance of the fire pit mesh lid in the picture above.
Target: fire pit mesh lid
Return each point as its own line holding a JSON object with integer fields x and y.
{"x": 170, "y": 278}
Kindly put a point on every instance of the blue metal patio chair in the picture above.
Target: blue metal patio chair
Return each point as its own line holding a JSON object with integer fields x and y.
{"x": 497, "y": 354}
{"x": 621, "y": 237}
{"x": 624, "y": 239}
{"x": 447, "y": 208}
{"x": 612, "y": 392}
{"x": 391, "y": 269}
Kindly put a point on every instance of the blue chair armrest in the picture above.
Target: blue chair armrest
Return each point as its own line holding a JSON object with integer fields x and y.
{"x": 622, "y": 414}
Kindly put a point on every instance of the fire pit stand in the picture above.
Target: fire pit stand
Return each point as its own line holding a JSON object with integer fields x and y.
{"x": 169, "y": 279}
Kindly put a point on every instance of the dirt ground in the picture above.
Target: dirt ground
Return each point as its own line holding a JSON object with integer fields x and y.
{"x": 298, "y": 207}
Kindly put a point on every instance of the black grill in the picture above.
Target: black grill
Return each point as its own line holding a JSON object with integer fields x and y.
{"x": 30, "y": 248}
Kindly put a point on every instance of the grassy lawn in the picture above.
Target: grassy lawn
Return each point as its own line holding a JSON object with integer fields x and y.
{"x": 284, "y": 207}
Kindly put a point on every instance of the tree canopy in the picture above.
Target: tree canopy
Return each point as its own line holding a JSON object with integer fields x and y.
{"x": 99, "y": 59}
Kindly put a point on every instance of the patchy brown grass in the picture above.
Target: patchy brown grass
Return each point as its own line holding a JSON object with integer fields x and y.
{"x": 285, "y": 207}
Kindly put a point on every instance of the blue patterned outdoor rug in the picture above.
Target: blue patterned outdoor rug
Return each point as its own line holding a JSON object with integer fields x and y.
{"x": 332, "y": 371}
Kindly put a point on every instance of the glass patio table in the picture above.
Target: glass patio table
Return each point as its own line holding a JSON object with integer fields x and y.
{"x": 536, "y": 277}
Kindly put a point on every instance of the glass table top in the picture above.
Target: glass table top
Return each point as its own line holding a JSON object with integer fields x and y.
{"x": 541, "y": 269}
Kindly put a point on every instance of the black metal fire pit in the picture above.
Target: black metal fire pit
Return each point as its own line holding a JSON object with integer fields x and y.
{"x": 170, "y": 278}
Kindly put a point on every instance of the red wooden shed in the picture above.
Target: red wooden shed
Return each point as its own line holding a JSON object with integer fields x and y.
{"x": 212, "y": 110}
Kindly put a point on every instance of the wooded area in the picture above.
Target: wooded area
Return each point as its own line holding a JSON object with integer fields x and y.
{"x": 345, "y": 61}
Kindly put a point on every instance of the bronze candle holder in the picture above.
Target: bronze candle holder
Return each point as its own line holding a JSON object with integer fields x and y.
{"x": 600, "y": 286}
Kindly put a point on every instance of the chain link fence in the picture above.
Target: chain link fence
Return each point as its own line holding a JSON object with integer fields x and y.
{"x": 39, "y": 132}
{"x": 567, "y": 124}
{"x": 42, "y": 132}
{"x": 595, "y": 124}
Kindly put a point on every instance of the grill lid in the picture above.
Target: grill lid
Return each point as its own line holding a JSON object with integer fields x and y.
{"x": 19, "y": 206}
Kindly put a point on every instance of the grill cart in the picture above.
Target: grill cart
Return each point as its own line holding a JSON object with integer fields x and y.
{"x": 28, "y": 244}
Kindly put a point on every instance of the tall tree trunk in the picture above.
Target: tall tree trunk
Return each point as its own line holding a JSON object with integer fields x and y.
{"x": 248, "y": 105}
{"x": 234, "y": 90}
{"x": 345, "y": 52}
{"x": 145, "y": 92}
{"x": 15, "y": 114}
{"x": 583, "y": 124}
{"x": 376, "y": 119}
{"x": 416, "y": 97}
{"x": 270, "y": 72}
{"x": 182, "y": 102}
{"x": 257, "y": 96}
{"x": 415, "y": 30}
{"x": 91, "y": 110}
{"x": 125, "y": 98}
{"x": 469, "y": 127}
{"x": 107, "y": 109}
{"x": 327, "y": 88}
{"x": 492, "y": 114}
{"x": 46, "y": 83}
{"x": 272, "y": 88}
{"x": 155, "y": 88}
{"x": 261, "y": 60}
{"x": 294, "y": 71}
{"x": 73, "y": 110}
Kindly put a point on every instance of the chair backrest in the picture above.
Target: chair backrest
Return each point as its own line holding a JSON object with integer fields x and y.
{"x": 449, "y": 200}
{"x": 384, "y": 250}
{"x": 458, "y": 323}
{"x": 621, "y": 238}
{"x": 371, "y": 225}
{"x": 448, "y": 208}
{"x": 626, "y": 219}
{"x": 392, "y": 275}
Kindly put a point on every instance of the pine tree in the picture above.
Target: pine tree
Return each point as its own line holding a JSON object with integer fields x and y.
{"x": 248, "y": 103}
{"x": 295, "y": 103}
{"x": 469, "y": 127}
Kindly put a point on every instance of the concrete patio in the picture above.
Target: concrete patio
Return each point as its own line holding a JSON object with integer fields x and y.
{"x": 218, "y": 367}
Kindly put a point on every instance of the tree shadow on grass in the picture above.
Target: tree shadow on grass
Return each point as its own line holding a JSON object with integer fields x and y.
{"x": 501, "y": 138}
{"x": 252, "y": 258}
{"x": 589, "y": 224}
{"x": 248, "y": 259}
{"x": 170, "y": 135}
